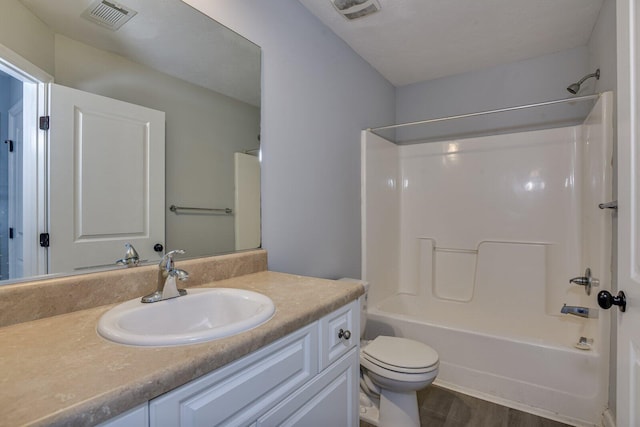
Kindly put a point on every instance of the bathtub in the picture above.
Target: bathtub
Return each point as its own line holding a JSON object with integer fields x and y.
{"x": 469, "y": 245}
{"x": 544, "y": 376}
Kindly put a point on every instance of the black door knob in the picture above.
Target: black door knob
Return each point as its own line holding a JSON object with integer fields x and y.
{"x": 606, "y": 300}
{"x": 158, "y": 247}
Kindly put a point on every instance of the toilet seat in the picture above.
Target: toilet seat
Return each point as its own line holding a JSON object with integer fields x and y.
{"x": 400, "y": 355}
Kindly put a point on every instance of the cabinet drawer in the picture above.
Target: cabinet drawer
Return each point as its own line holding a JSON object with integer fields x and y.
{"x": 237, "y": 394}
{"x": 332, "y": 344}
{"x": 330, "y": 399}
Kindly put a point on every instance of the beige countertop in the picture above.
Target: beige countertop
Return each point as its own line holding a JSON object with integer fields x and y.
{"x": 59, "y": 371}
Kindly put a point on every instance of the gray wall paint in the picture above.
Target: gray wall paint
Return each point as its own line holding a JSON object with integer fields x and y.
{"x": 602, "y": 47}
{"x": 524, "y": 82}
{"x": 317, "y": 96}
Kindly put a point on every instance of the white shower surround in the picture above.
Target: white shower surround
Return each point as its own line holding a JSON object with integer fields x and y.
{"x": 469, "y": 246}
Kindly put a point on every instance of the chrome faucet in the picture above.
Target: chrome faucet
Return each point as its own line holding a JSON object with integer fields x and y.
{"x": 587, "y": 281}
{"x": 131, "y": 257}
{"x": 579, "y": 311}
{"x": 167, "y": 275}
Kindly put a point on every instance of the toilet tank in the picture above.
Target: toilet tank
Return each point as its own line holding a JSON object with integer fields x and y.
{"x": 363, "y": 302}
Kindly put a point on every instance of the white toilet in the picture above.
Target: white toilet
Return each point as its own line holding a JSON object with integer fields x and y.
{"x": 392, "y": 370}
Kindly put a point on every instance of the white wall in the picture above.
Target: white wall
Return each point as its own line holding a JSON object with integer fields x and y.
{"x": 25, "y": 34}
{"x": 381, "y": 216}
{"x": 317, "y": 96}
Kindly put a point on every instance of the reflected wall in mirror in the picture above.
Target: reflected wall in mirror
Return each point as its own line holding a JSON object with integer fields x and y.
{"x": 201, "y": 78}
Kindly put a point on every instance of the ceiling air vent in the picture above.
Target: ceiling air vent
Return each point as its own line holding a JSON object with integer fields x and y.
{"x": 352, "y": 9}
{"x": 108, "y": 14}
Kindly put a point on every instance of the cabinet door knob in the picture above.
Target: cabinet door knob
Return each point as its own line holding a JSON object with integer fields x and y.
{"x": 344, "y": 334}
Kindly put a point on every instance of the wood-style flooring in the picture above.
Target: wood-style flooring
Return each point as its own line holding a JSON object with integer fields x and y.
{"x": 440, "y": 407}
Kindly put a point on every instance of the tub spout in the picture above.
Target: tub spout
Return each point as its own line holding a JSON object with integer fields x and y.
{"x": 579, "y": 311}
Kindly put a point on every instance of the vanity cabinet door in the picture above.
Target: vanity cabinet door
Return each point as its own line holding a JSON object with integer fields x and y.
{"x": 136, "y": 417}
{"x": 237, "y": 394}
{"x": 330, "y": 399}
{"x": 339, "y": 332}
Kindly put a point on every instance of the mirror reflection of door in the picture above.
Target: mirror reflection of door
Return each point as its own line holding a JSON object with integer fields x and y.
{"x": 107, "y": 172}
{"x": 88, "y": 226}
{"x": 22, "y": 165}
{"x": 17, "y": 171}
{"x": 9, "y": 95}
{"x": 106, "y": 202}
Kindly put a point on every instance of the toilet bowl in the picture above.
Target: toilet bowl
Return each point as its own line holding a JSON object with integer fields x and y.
{"x": 392, "y": 370}
{"x": 398, "y": 368}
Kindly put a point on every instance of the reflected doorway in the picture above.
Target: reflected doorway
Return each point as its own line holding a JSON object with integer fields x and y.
{"x": 11, "y": 171}
{"x": 22, "y": 167}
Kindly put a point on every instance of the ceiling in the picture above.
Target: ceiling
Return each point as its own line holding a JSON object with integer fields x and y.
{"x": 410, "y": 41}
{"x": 169, "y": 36}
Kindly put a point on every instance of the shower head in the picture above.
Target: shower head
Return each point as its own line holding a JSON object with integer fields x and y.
{"x": 574, "y": 88}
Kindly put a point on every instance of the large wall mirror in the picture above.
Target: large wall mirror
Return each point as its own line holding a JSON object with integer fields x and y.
{"x": 160, "y": 146}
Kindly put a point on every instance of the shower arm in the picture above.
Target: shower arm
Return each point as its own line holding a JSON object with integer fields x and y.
{"x": 588, "y": 76}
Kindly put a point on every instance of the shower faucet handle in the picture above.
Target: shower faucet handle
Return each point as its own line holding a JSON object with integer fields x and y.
{"x": 609, "y": 205}
{"x": 587, "y": 281}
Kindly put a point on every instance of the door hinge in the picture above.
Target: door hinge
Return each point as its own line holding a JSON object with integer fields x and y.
{"x": 10, "y": 142}
{"x": 44, "y": 122}
{"x": 11, "y": 232}
{"x": 44, "y": 240}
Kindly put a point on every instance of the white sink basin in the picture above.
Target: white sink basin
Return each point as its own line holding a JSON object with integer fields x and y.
{"x": 201, "y": 315}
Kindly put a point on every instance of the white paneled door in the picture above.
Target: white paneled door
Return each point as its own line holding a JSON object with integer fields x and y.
{"x": 106, "y": 175}
{"x": 628, "y": 359}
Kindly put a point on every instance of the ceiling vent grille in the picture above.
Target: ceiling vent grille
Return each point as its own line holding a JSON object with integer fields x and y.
{"x": 353, "y": 9}
{"x": 108, "y": 14}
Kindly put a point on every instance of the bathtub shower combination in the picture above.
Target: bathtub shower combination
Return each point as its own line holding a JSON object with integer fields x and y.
{"x": 469, "y": 245}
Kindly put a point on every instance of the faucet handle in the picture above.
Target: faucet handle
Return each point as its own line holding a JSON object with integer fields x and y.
{"x": 173, "y": 252}
{"x": 167, "y": 259}
{"x": 131, "y": 256}
{"x": 587, "y": 281}
{"x": 179, "y": 274}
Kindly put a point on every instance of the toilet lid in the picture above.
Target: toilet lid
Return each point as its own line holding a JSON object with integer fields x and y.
{"x": 401, "y": 353}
